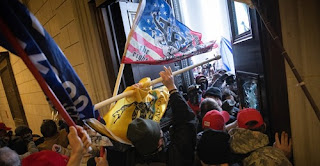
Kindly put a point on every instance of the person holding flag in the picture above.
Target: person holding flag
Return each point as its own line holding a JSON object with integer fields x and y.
{"x": 157, "y": 37}
{"x": 175, "y": 147}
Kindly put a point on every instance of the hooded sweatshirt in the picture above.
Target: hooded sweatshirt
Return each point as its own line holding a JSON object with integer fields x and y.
{"x": 254, "y": 143}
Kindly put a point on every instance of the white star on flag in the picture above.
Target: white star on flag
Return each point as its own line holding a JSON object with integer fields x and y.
{"x": 148, "y": 21}
{"x": 144, "y": 28}
{"x": 162, "y": 5}
{"x": 165, "y": 13}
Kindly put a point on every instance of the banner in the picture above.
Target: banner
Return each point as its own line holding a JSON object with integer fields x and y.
{"x": 158, "y": 38}
{"x": 227, "y": 55}
{"x": 47, "y": 57}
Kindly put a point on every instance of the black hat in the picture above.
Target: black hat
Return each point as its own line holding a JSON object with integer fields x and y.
{"x": 230, "y": 79}
{"x": 144, "y": 135}
{"x": 213, "y": 91}
{"x": 213, "y": 147}
{"x": 228, "y": 105}
{"x": 22, "y": 130}
{"x": 193, "y": 88}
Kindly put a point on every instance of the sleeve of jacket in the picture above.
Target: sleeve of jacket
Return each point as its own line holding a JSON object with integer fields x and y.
{"x": 32, "y": 148}
{"x": 183, "y": 132}
{"x": 181, "y": 112}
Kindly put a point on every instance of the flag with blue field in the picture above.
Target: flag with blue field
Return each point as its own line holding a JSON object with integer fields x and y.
{"x": 158, "y": 38}
{"x": 47, "y": 58}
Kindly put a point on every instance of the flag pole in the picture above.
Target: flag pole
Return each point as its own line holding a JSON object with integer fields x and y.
{"x": 121, "y": 68}
{"x": 284, "y": 53}
{"x": 117, "y": 85}
{"x": 23, "y": 55}
{"x": 153, "y": 82}
{"x": 158, "y": 80}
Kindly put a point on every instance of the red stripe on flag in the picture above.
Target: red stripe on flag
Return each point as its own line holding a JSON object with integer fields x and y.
{"x": 131, "y": 48}
{"x": 127, "y": 60}
{"x": 196, "y": 34}
{"x": 145, "y": 42}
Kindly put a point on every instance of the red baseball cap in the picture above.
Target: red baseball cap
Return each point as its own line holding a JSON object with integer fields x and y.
{"x": 215, "y": 120}
{"x": 249, "y": 114}
{"x": 4, "y": 127}
{"x": 45, "y": 157}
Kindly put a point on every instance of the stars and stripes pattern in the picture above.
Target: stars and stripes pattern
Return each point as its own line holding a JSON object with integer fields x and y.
{"x": 157, "y": 37}
{"x": 47, "y": 58}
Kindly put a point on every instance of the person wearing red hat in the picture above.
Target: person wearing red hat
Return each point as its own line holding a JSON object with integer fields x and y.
{"x": 215, "y": 120}
{"x": 206, "y": 105}
{"x": 250, "y": 118}
{"x": 213, "y": 142}
{"x": 3, "y": 129}
{"x": 5, "y": 135}
{"x": 249, "y": 139}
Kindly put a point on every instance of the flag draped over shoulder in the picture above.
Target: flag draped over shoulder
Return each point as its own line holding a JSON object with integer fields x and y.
{"x": 47, "y": 58}
{"x": 157, "y": 37}
{"x": 145, "y": 103}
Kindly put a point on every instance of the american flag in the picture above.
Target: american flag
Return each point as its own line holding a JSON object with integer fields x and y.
{"x": 157, "y": 37}
{"x": 47, "y": 58}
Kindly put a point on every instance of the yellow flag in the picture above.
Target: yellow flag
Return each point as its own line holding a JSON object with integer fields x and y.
{"x": 144, "y": 103}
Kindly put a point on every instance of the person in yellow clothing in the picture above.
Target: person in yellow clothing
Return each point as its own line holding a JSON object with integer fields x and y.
{"x": 52, "y": 136}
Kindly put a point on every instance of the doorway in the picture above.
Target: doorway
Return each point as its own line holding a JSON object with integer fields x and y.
{"x": 11, "y": 91}
{"x": 256, "y": 62}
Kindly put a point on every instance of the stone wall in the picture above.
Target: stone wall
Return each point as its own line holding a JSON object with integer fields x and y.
{"x": 300, "y": 31}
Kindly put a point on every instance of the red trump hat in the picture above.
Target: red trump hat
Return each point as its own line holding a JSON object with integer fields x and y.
{"x": 215, "y": 120}
{"x": 249, "y": 114}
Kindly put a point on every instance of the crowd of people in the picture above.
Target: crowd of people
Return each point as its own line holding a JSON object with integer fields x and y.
{"x": 27, "y": 149}
{"x": 207, "y": 129}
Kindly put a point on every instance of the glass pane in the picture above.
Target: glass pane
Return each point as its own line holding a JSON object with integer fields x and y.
{"x": 251, "y": 98}
{"x": 242, "y": 18}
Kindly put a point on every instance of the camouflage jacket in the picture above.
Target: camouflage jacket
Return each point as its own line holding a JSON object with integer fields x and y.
{"x": 255, "y": 143}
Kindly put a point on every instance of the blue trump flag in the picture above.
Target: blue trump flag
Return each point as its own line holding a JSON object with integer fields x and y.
{"x": 227, "y": 55}
{"x": 47, "y": 58}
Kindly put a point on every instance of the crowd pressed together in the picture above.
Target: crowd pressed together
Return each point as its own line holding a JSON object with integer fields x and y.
{"x": 207, "y": 129}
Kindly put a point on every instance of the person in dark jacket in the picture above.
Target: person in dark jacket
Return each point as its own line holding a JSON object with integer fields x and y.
{"x": 213, "y": 148}
{"x": 214, "y": 93}
{"x": 174, "y": 148}
{"x": 194, "y": 98}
